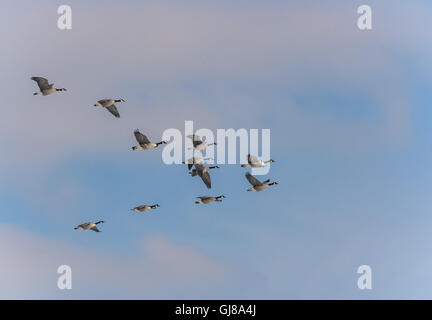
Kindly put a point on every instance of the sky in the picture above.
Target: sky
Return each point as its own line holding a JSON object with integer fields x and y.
{"x": 349, "y": 114}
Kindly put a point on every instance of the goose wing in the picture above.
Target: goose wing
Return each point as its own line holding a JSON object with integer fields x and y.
{"x": 42, "y": 83}
{"x": 252, "y": 180}
{"x": 194, "y": 137}
{"x": 84, "y": 225}
{"x": 196, "y": 140}
{"x": 199, "y": 167}
{"x": 141, "y": 208}
{"x": 204, "y": 197}
{"x": 205, "y": 177}
{"x": 196, "y": 143}
{"x": 142, "y": 139}
{"x": 252, "y": 159}
{"x": 95, "y": 229}
{"x": 112, "y": 108}
{"x": 106, "y": 102}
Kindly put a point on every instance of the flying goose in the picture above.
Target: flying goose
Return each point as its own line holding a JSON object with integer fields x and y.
{"x": 89, "y": 226}
{"x": 207, "y": 199}
{"x": 45, "y": 87}
{"x": 258, "y": 185}
{"x": 198, "y": 144}
{"x": 109, "y": 104}
{"x": 202, "y": 171}
{"x": 143, "y": 142}
{"x": 253, "y": 162}
{"x": 195, "y": 160}
{"x": 144, "y": 208}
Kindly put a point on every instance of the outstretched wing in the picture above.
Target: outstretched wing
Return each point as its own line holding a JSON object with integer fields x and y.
{"x": 196, "y": 140}
{"x": 252, "y": 180}
{"x": 42, "y": 83}
{"x": 252, "y": 159}
{"x": 112, "y": 108}
{"x": 83, "y": 225}
{"x": 106, "y": 102}
{"x": 142, "y": 139}
{"x": 199, "y": 167}
{"x": 205, "y": 176}
{"x": 204, "y": 197}
{"x": 95, "y": 229}
{"x": 194, "y": 137}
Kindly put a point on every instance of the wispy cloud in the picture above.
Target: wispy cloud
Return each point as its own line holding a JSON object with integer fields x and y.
{"x": 201, "y": 62}
{"x": 30, "y": 261}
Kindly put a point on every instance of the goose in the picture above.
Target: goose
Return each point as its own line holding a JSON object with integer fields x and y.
{"x": 195, "y": 160}
{"x": 207, "y": 199}
{"x": 144, "y": 208}
{"x": 89, "y": 226}
{"x": 258, "y": 185}
{"x": 202, "y": 171}
{"x": 143, "y": 142}
{"x": 45, "y": 87}
{"x": 198, "y": 144}
{"x": 109, "y": 104}
{"x": 253, "y": 162}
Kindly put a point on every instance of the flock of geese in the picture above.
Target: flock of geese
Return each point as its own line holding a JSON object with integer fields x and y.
{"x": 144, "y": 143}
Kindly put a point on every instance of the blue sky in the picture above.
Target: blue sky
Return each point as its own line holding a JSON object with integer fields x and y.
{"x": 349, "y": 117}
